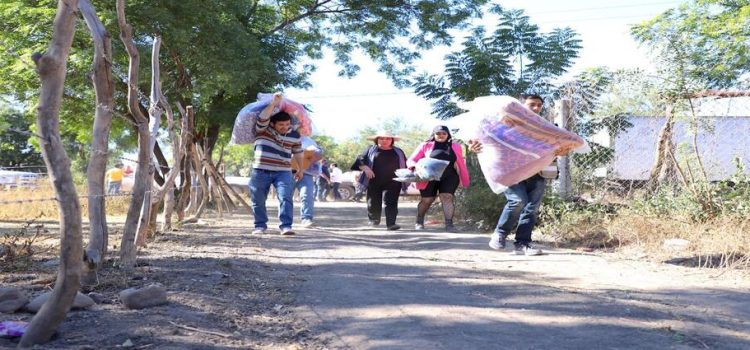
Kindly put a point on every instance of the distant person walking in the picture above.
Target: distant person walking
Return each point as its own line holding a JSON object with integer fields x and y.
{"x": 336, "y": 175}
{"x": 440, "y": 146}
{"x": 114, "y": 178}
{"x": 323, "y": 182}
{"x": 306, "y": 184}
{"x": 378, "y": 164}
{"x": 359, "y": 189}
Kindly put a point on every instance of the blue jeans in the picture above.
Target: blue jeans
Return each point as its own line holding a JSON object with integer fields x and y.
{"x": 306, "y": 188}
{"x": 335, "y": 190}
{"x": 260, "y": 184}
{"x": 521, "y": 209}
{"x": 322, "y": 190}
{"x": 114, "y": 187}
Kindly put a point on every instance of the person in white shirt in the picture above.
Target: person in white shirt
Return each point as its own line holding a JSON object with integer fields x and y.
{"x": 336, "y": 175}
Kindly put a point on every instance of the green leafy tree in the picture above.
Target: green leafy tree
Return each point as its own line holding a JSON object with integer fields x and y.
{"x": 515, "y": 58}
{"x": 345, "y": 152}
{"x": 700, "y": 44}
{"x": 218, "y": 58}
{"x": 15, "y": 148}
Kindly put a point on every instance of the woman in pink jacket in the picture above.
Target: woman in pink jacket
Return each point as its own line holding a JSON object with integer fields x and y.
{"x": 440, "y": 146}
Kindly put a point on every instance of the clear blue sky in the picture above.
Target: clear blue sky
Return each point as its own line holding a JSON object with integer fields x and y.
{"x": 342, "y": 106}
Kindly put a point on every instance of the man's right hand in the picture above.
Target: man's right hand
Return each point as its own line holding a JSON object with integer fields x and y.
{"x": 368, "y": 172}
{"x": 475, "y": 146}
{"x": 277, "y": 99}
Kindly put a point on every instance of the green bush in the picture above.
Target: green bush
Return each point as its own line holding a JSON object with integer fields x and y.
{"x": 577, "y": 222}
{"x": 477, "y": 204}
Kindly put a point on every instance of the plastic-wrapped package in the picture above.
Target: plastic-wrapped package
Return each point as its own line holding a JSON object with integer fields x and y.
{"x": 430, "y": 169}
{"x": 516, "y": 143}
{"x": 244, "y": 125}
{"x": 406, "y": 175}
{"x": 301, "y": 119}
{"x": 426, "y": 169}
{"x": 13, "y": 329}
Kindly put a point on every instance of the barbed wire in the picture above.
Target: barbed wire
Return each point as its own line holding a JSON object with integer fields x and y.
{"x": 71, "y": 144}
{"x": 55, "y": 199}
{"x": 23, "y": 167}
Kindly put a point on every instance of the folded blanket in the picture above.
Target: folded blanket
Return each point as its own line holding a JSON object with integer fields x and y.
{"x": 517, "y": 143}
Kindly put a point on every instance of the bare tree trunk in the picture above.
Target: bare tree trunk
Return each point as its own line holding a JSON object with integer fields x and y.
{"x": 204, "y": 187}
{"x": 663, "y": 169}
{"x": 225, "y": 188}
{"x": 155, "y": 112}
{"x": 163, "y": 167}
{"x": 185, "y": 192}
{"x": 97, "y": 167}
{"x": 178, "y": 151}
{"x": 51, "y": 67}
{"x": 143, "y": 176}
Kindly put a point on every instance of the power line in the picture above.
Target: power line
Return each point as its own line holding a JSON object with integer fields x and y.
{"x": 604, "y": 8}
{"x": 374, "y": 94}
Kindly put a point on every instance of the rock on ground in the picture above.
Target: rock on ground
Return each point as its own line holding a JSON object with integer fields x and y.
{"x": 11, "y": 300}
{"x": 81, "y": 302}
{"x": 151, "y": 295}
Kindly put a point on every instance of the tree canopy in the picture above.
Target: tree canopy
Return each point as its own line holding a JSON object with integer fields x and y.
{"x": 515, "y": 58}
{"x": 15, "y": 149}
{"x": 700, "y": 44}
{"x": 217, "y": 57}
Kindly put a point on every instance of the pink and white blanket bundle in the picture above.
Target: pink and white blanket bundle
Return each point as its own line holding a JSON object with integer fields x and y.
{"x": 516, "y": 142}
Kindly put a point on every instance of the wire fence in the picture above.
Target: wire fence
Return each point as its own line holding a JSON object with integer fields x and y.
{"x": 706, "y": 141}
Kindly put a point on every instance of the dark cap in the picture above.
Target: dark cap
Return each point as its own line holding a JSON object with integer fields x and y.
{"x": 442, "y": 128}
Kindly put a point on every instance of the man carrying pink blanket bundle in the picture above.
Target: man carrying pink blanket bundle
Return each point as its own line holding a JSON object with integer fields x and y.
{"x": 522, "y": 142}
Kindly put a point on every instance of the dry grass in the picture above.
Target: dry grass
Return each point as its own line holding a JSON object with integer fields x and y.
{"x": 641, "y": 227}
{"x": 45, "y": 209}
{"x": 18, "y": 247}
{"x": 721, "y": 242}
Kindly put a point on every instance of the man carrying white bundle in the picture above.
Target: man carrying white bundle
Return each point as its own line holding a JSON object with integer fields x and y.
{"x": 523, "y": 198}
{"x": 276, "y": 147}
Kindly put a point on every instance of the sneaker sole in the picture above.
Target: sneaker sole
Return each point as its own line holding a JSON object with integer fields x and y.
{"x": 495, "y": 247}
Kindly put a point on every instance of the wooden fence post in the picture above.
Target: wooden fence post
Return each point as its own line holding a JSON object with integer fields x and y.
{"x": 564, "y": 119}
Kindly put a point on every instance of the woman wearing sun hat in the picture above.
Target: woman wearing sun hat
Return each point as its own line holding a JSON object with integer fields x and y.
{"x": 378, "y": 164}
{"x": 440, "y": 146}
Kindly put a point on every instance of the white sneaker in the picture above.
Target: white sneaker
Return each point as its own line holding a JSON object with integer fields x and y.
{"x": 306, "y": 223}
{"x": 527, "y": 250}
{"x": 286, "y": 231}
{"x": 419, "y": 227}
{"x": 497, "y": 241}
{"x": 258, "y": 231}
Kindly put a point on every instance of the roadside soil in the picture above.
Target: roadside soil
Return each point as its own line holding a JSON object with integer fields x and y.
{"x": 343, "y": 285}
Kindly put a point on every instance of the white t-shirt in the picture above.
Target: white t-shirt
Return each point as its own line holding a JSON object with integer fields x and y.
{"x": 336, "y": 175}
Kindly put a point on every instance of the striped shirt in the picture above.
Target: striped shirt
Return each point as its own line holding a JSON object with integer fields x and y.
{"x": 273, "y": 151}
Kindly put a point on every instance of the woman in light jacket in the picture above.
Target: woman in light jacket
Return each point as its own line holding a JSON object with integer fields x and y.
{"x": 378, "y": 164}
{"x": 440, "y": 146}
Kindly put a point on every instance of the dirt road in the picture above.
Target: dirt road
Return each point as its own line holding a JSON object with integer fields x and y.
{"x": 342, "y": 285}
{"x": 375, "y": 289}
